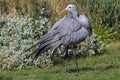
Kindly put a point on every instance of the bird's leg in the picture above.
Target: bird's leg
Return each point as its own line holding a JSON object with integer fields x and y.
{"x": 66, "y": 58}
{"x": 74, "y": 55}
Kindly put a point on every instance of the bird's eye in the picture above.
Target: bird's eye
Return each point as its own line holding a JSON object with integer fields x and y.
{"x": 69, "y": 7}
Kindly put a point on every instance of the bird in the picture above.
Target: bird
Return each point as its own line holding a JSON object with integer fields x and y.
{"x": 69, "y": 30}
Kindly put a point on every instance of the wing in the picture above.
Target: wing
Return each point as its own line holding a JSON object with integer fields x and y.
{"x": 62, "y": 32}
{"x": 64, "y": 27}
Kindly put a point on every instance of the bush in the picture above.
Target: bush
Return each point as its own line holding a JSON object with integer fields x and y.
{"x": 17, "y": 35}
{"x": 92, "y": 46}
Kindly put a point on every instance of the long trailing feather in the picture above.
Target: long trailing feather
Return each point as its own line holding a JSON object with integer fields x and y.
{"x": 44, "y": 39}
{"x": 38, "y": 43}
{"x": 39, "y": 52}
{"x": 41, "y": 49}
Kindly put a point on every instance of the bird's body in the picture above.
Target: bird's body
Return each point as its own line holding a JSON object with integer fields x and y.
{"x": 66, "y": 31}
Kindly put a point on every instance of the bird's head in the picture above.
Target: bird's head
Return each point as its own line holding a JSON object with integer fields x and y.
{"x": 70, "y": 8}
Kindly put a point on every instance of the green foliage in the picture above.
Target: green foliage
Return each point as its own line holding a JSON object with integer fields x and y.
{"x": 104, "y": 15}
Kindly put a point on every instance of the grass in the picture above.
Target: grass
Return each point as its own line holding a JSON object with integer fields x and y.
{"x": 102, "y": 67}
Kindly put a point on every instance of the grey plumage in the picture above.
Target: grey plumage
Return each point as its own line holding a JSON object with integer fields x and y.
{"x": 66, "y": 31}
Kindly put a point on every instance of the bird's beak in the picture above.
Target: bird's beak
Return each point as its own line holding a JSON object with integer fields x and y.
{"x": 64, "y": 11}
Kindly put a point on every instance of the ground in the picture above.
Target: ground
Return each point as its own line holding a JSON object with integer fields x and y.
{"x": 102, "y": 67}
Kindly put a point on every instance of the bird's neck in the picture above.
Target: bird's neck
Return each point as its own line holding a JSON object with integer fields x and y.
{"x": 75, "y": 15}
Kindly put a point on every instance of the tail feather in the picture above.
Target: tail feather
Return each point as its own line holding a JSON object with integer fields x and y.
{"x": 39, "y": 51}
{"x": 42, "y": 41}
{"x": 44, "y": 45}
{"x": 33, "y": 53}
